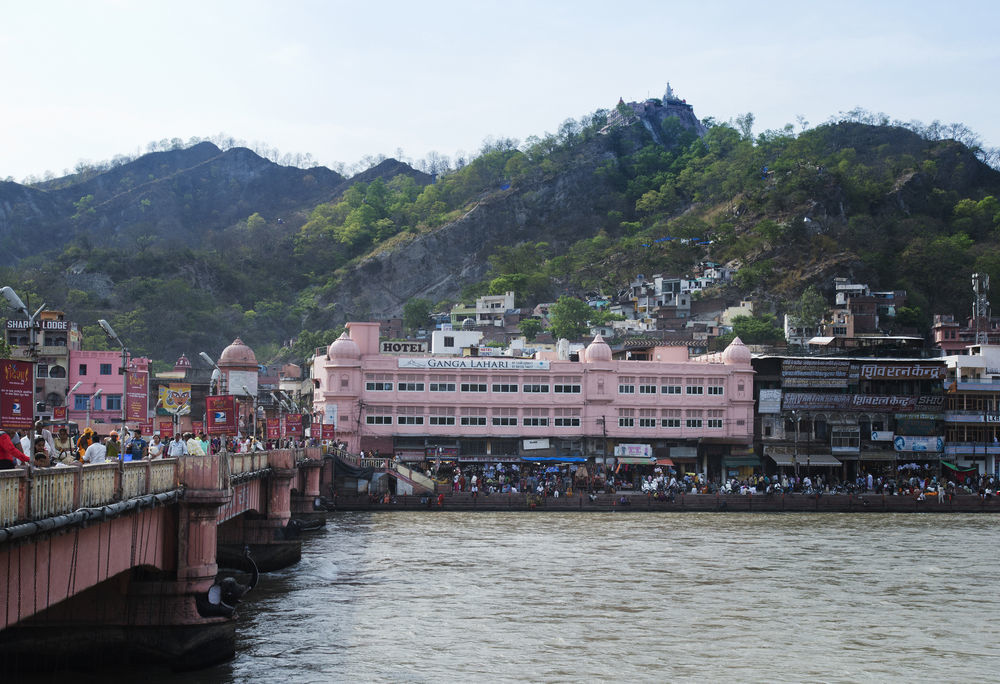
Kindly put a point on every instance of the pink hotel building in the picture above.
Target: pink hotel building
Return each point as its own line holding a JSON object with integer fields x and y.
{"x": 694, "y": 413}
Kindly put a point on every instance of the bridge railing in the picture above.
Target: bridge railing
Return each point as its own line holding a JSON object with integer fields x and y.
{"x": 46, "y": 492}
{"x": 250, "y": 462}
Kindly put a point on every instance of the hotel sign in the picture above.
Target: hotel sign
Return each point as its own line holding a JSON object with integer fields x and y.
{"x": 17, "y": 324}
{"x": 473, "y": 363}
{"x": 396, "y": 347}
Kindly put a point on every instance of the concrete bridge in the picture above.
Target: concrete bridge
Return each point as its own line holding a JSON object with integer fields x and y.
{"x": 121, "y": 559}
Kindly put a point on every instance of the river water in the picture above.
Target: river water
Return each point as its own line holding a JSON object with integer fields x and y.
{"x": 625, "y": 597}
{"x": 430, "y": 597}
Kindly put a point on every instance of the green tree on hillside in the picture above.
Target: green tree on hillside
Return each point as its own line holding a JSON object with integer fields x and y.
{"x": 416, "y": 314}
{"x": 530, "y": 327}
{"x": 568, "y": 318}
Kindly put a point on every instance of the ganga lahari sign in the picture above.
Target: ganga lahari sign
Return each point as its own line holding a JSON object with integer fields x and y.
{"x": 473, "y": 363}
{"x": 16, "y": 394}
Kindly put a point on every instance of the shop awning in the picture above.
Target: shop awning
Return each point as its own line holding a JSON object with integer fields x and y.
{"x": 665, "y": 462}
{"x": 822, "y": 460}
{"x": 960, "y": 469}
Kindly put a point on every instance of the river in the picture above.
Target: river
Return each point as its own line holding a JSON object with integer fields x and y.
{"x": 509, "y": 597}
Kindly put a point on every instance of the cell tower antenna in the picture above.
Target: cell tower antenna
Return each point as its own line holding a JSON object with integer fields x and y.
{"x": 981, "y": 306}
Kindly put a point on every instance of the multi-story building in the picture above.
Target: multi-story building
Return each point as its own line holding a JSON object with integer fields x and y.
{"x": 952, "y": 337}
{"x": 972, "y": 409}
{"x": 55, "y": 339}
{"x": 846, "y": 416}
{"x": 696, "y": 414}
{"x": 99, "y": 370}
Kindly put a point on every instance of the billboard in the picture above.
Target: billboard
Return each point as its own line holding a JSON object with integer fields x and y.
{"x": 176, "y": 399}
{"x": 875, "y": 403}
{"x": 273, "y": 428}
{"x": 17, "y": 390}
{"x": 240, "y": 379}
{"x": 927, "y": 444}
{"x": 329, "y": 431}
{"x": 769, "y": 401}
{"x": 136, "y": 396}
{"x": 58, "y": 414}
{"x": 814, "y": 373}
{"x": 166, "y": 428}
{"x": 293, "y": 424}
{"x": 220, "y": 414}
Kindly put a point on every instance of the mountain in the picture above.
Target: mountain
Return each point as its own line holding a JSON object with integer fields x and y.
{"x": 186, "y": 249}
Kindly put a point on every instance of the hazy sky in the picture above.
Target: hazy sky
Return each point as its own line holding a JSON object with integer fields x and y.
{"x": 86, "y": 80}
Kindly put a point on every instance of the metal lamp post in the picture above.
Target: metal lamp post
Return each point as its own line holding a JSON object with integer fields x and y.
{"x": 90, "y": 402}
{"x": 113, "y": 336}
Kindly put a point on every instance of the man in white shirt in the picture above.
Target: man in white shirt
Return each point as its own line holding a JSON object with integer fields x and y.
{"x": 194, "y": 447}
{"x": 96, "y": 452}
{"x": 177, "y": 447}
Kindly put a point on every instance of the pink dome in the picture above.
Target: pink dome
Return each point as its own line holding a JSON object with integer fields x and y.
{"x": 736, "y": 353}
{"x": 344, "y": 348}
{"x": 237, "y": 354}
{"x": 598, "y": 350}
{"x": 183, "y": 363}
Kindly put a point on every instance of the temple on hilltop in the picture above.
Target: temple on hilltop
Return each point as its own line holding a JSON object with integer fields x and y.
{"x": 654, "y": 111}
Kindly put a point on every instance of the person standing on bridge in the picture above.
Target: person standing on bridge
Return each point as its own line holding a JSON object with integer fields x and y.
{"x": 96, "y": 452}
{"x": 10, "y": 454}
{"x": 194, "y": 447}
{"x": 177, "y": 447}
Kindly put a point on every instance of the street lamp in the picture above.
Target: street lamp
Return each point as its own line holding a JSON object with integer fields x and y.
{"x": 216, "y": 374}
{"x": 795, "y": 454}
{"x": 113, "y": 336}
{"x": 90, "y": 402}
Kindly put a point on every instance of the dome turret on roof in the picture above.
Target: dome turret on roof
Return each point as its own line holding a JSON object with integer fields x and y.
{"x": 183, "y": 363}
{"x": 237, "y": 354}
{"x": 344, "y": 348}
{"x": 736, "y": 353}
{"x": 598, "y": 350}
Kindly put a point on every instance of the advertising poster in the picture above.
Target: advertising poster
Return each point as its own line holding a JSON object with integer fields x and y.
{"x": 273, "y": 428}
{"x": 329, "y": 431}
{"x": 220, "y": 413}
{"x": 293, "y": 425}
{"x": 16, "y": 394}
{"x": 136, "y": 396}
{"x": 197, "y": 427}
{"x": 176, "y": 399}
{"x": 59, "y": 414}
{"x": 166, "y": 428}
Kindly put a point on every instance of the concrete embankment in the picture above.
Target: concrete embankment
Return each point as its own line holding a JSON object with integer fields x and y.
{"x": 778, "y": 503}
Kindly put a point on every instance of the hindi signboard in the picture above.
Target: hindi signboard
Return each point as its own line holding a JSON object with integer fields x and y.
{"x": 16, "y": 394}
{"x": 136, "y": 396}
{"x": 818, "y": 401}
{"x": 328, "y": 431}
{"x": 293, "y": 424}
{"x": 166, "y": 428}
{"x": 769, "y": 401}
{"x": 273, "y": 428}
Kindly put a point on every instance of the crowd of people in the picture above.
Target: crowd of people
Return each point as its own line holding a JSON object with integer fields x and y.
{"x": 41, "y": 449}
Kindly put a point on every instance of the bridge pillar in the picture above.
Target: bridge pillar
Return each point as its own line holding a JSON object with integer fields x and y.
{"x": 272, "y": 542}
{"x": 303, "y": 501}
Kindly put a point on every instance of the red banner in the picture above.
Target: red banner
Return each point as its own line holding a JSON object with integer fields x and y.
{"x": 293, "y": 424}
{"x": 58, "y": 414}
{"x": 147, "y": 427}
{"x": 17, "y": 390}
{"x": 166, "y": 428}
{"x": 197, "y": 427}
{"x": 273, "y": 428}
{"x": 221, "y": 414}
{"x": 136, "y": 396}
{"x": 329, "y": 431}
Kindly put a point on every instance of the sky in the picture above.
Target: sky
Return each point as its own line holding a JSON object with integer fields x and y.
{"x": 85, "y": 81}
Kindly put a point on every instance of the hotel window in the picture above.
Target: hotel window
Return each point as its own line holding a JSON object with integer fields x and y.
{"x": 442, "y": 383}
{"x": 535, "y": 384}
{"x": 379, "y": 415}
{"x": 647, "y": 418}
{"x": 345, "y": 381}
{"x": 845, "y": 437}
{"x": 409, "y": 415}
{"x": 670, "y": 386}
{"x": 442, "y": 415}
{"x": 626, "y": 385}
{"x": 716, "y": 386}
{"x": 535, "y": 417}
{"x": 105, "y": 369}
{"x": 567, "y": 417}
{"x": 670, "y": 418}
{"x": 715, "y": 417}
{"x": 378, "y": 382}
{"x": 114, "y": 402}
{"x": 474, "y": 383}
{"x": 626, "y": 417}
{"x": 83, "y": 369}
{"x": 505, "y": 417}
{"x": 80, "y": 403}
{"x": 42, "y": 371}
{"x": 693, "y": 419}
{"x": 566, "y": 384}
{"x": 474, "y": 416}
{"x": 505, "y": 384}
{"x": 695, "y": 386}
{"x": 647, "y": 385}
{"x": 409, "y": 383}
